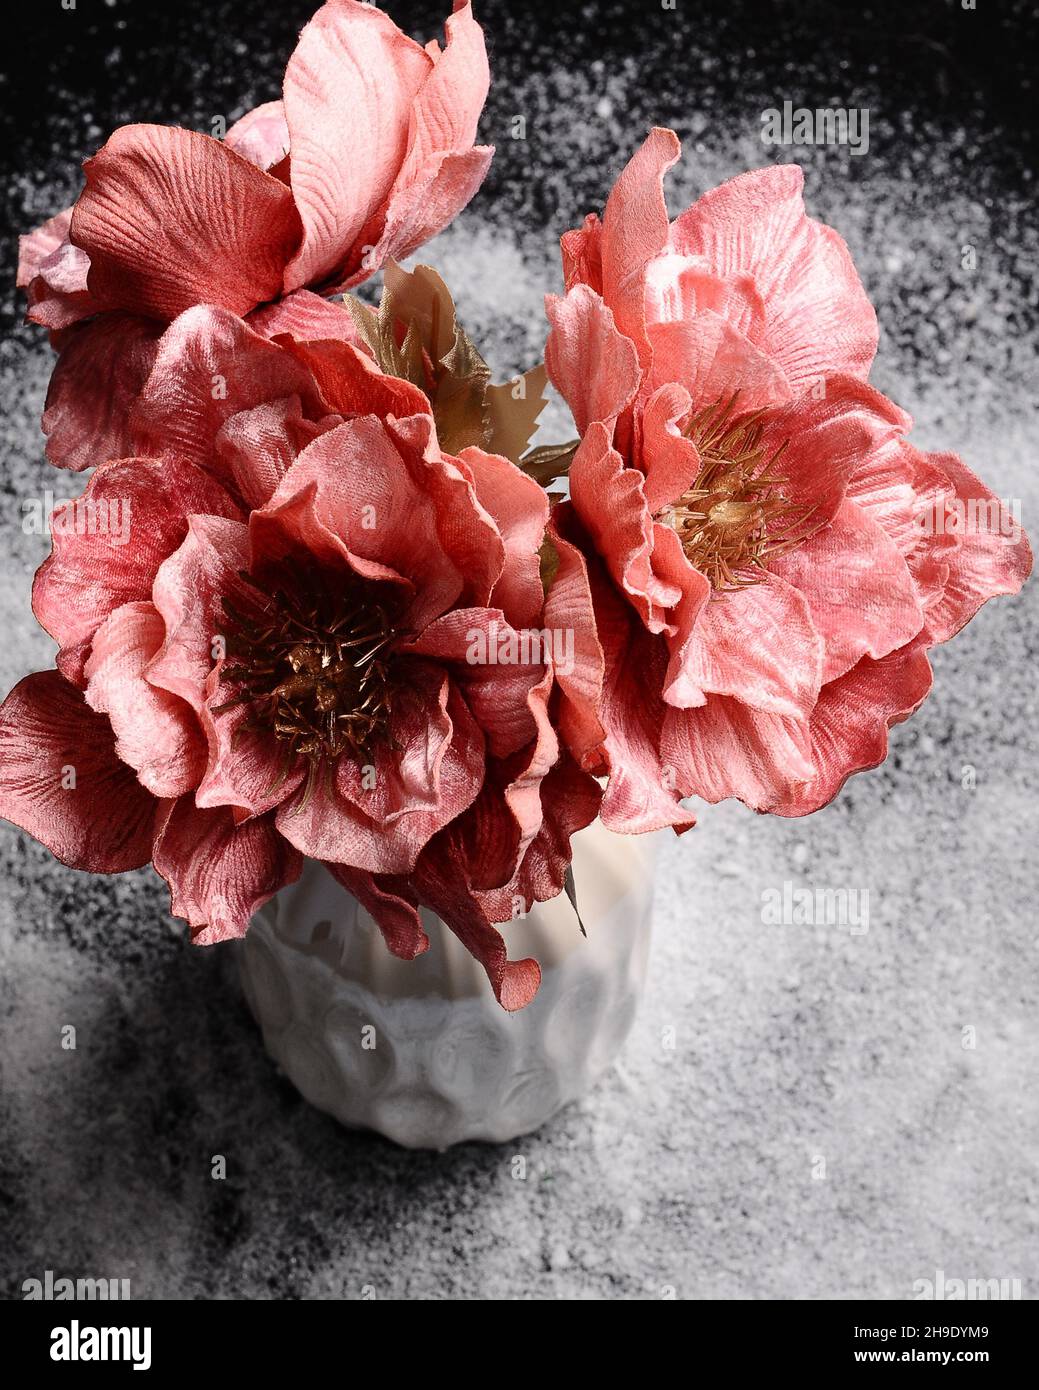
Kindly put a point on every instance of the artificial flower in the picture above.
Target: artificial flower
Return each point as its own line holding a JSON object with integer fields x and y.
{"x": 747, "y": 518}
{"x": 368, "y": 154}
{"x": 280, "y": 660}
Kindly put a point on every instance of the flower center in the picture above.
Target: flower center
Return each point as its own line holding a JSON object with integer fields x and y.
{"x": 735, "y": 518}
{"x": 313, "y": 660}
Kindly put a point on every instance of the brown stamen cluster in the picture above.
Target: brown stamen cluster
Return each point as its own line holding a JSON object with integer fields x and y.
{"x": 735, "y": 518}
{"x": 313, "y": 660}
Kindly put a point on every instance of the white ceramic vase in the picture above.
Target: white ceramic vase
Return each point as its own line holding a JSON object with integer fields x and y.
{"x": 420, "y": 1050}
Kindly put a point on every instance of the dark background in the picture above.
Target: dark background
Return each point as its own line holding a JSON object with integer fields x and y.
{"x": 690, "y": 1170}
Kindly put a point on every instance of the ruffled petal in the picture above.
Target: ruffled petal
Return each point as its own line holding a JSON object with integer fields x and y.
{"x": 760, "y": 646}
{"x": 219, "y": 873}
{"x": 101, "y": 369}
{"x": 849, "y": 727}
{"x": 861, "y": 595}
{"x": 818, "y": 318}
{"x": 712, "y": 360}
{"x": 993, "y": 556}
{"x": 592, "y": 365}
{"x": 155, "y": 733}
{"x": 519, "y": 508}
{"x": 635, "y": 230}
{"x": 391, "y": 903}
{"x": 108, "y": 546}
{"x": 210, "y": 365}
{"x": 724, "y": 748}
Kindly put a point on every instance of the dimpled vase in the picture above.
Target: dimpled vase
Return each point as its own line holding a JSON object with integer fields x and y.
{"x": 419, "y": 1050}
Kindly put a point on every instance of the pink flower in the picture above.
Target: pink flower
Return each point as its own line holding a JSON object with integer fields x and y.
{"x": 369, "y": 154}
{"x": 279, "y": 660}
{"x": 753, "y": 530}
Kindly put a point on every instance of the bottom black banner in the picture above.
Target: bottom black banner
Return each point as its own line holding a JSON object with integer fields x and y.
{"x": 271, "y": 1337}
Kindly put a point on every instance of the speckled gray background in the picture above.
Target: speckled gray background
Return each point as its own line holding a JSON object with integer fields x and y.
{"x": 689, "y": 1168}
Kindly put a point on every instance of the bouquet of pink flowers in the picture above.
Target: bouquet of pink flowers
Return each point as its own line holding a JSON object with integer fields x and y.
{"x": 354, "y": 615}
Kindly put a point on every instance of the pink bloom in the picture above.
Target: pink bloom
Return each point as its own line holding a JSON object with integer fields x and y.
{"x": 751, "y": 526}
{"x": 368, "y": 155}
{"x": 280, "y": 661}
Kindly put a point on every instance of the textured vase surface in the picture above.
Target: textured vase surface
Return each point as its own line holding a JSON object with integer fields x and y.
{"x": 420, "y": 1050}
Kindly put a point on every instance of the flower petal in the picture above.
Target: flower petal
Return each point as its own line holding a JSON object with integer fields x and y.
{"x": 592, "y": 365}
{"x": 860, "y": 593}
{"x": 209, "y": 366}
{"x": 155, "y": 733}
{"x": 109, "y": 544}
{"x": 172, "y": 218}
{"x": 350, "y": 87}
{"x": 724, "y": 748}
{"x": 635, "y": 230}
{"x": 818, "y": 319}
{"x": 519, "y": 508}
{"x": 101, "y": 369}
{"x": 61, "y": 780}
{"x": 993, "y": 557}
{"x": 760, "y": 646}
{"x": 849, "y": 728}
{"x": 261, "y": 136}
{"x": 220, "y": 873}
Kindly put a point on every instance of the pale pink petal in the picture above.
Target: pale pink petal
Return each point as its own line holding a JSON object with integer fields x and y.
{"x": 350, "y": 88}
{"x": 712, "y": 360}
{"x": 171, "y": 218}
{"x": 219, "y": 873}
{"x": 726, "y": 749}
{"x": 859, "y": 590}
{"x": 422, "y": 208}
{"x": 257, "y": 447}
{"x": 34, "y": 247}
{"x": 993, "y": 556}
{"x": 155, "y": 733}
{"x": 670, "y": 459}
{"x": 366, "y": 480}
{"x": 818, "y": 319}
{"x": 59, "y": 294}
{"x": 679, "y": 287}
{"x": 61, "y": 780}
{"x": 635, "y": 230}
{"x": 590, "y": 363}
{"x": 261, "y": 135}
{"x": 849, "y": 728}
{"x": 760, "y": 646}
